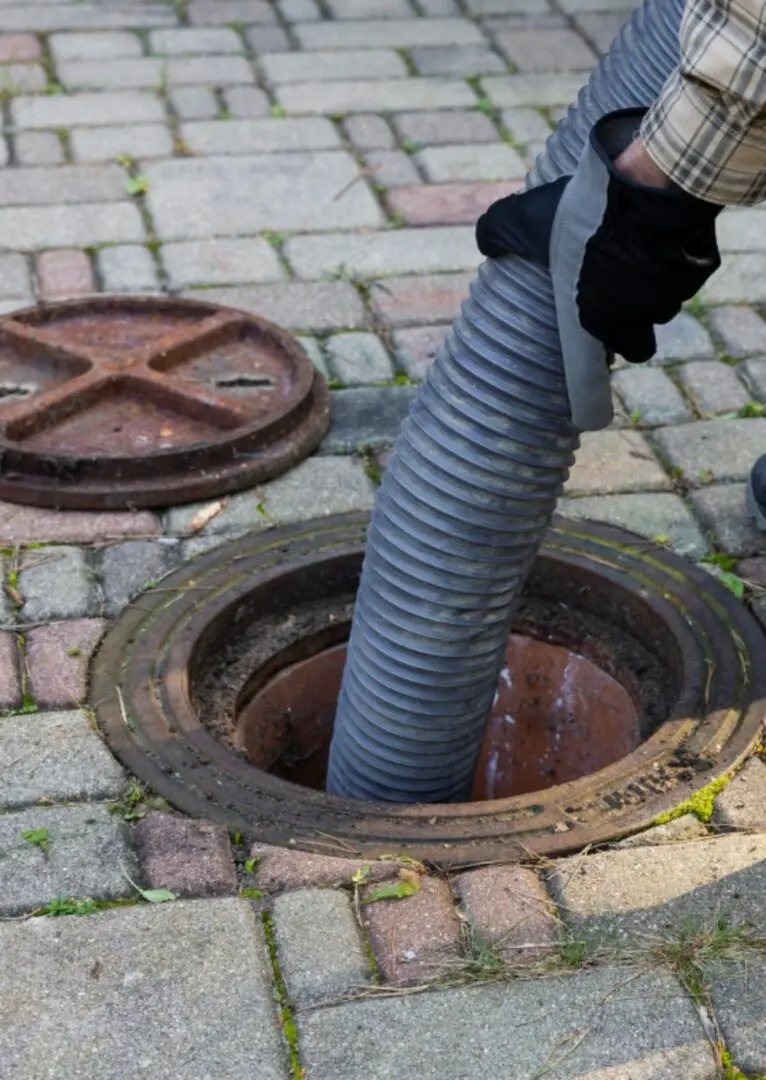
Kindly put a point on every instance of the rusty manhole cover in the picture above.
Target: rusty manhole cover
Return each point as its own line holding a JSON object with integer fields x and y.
{"x": 218, "y": 691}
{"x": 115, "y": 402}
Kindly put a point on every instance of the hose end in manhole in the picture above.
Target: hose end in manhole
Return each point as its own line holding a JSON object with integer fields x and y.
{"x": 632, "y": 680}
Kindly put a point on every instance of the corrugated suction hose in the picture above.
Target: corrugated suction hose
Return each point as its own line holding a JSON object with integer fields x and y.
{"x": 469, "y": 492}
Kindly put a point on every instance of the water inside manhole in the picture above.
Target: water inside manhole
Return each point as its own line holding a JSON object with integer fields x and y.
{"x": 556, "y": 716}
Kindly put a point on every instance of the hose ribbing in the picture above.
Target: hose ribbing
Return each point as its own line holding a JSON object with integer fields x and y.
{"x": 469, "y": 493}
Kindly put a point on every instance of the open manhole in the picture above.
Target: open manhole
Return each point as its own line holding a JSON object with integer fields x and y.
{"x": 632, "y": 680}
{"x": 123, "y": 402}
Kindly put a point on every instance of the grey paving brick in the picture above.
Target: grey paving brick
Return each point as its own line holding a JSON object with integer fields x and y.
{"x": 714, "y": 388}
{"x": 14, "y": 276}
{"x": 117, "y": 74}
{"x": 56, "y": 583}
{"x": 7, "y": 306}
{"x": 194, "y": 41}
{"x": 22, "y": 78}
{"x": 387, "y": 33}
{"x": 194, "y": 103}
{"x": 615, "y": 461}
{"x": 359, "y": 359}
{"x": 107, "y": 45}
{"x": 369, "y": 132}
{"x": 727, "y": 448}
{"x": 314, "y": 351}
{"x": 742, "y": 803}
{"x": 686, "y": 827}
{"x": 38, "y": 148}
{"x": 109, "y": 143}
{"x": 516, "y": 1030}
{"x": 440, "y": 128}
{"x": 55, "y": 757}
{"x": 546, "y": 50}
{"x": 741, "y": 280}
{"x": 490, "y": 161}
{"x": 208, "y": 70}
{"x": 526, "y": 124}
{"x": 88, "y": 856}
{"x": 572, "y": 7}
{"x": 508, "y": 7}
{"x": 601, "y": 29}
{"x": 742, "y": 331}
{"x": 370, "y": 9}
{"x": 392, "y": 168}
{"x": 742, "y": 229}
{"x": 297, "y": 305}
{"x": 267, "y": 39}
{"x": 321, "y": 66}
{"x": 465, "y": 60}
{"x": 534, "y": 89}
{"x": 368, "y": 418}
{"x": 67, "y": 184}
{"x": 234, "y": 195}
{"x": 318, "y": 487}
{"x": 5, "y": 156}
{"x": 738, "y": 993}
{"x": 244, "y": 101}
{"x": 437, "y": 8}
{"x": 383, "y": 95}
{"x": 78, "y": 110}
{"x": 221, "y": 262}
{"x": 651, "y": 889}
{"x": 722, "y": 511}
{"x": 651, "y": 395}
{"x": 204, "y": 959}
{"x": 62, "y": 16}
{"x": 299, "y": 10}
{"x": 399, "y": 251}
{"x": 31, "y": 228}
{"x": 649, "y": 515}
{"x": 127, "y": 569}
{"x": 755, "y": 371}
{"x": 227, "y": 12}
{"x": 260, "y": 136}
{"x": 683, "y": 338}
{"x": 319, "y": 947}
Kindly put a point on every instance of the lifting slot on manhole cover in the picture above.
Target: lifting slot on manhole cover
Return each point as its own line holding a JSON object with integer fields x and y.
{"x": 125, "y": 402}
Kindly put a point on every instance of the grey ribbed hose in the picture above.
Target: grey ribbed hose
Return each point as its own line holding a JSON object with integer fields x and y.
{"x": 469, "y": 493}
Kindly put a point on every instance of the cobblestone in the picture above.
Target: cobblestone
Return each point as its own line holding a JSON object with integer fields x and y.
{"x": 601, "y": 28}
{"x": 105, "y": 45}
{"x": 14, "y": 276}
{"x": 38, "y": 148}
{"x": 259, "y": 136}
{"x": 310, "y": 306}
{"x": 64, "y": 273}
{"x": 742, "y": 803}
{"x": 127, "y": 569}
{"x": 323, "y": 66}
{"x": 387, "y": 33}
{"x": 369, "y": 9}
{"x": 226, "y": 12}
{"x": 755, "y": 370}
{"x": 22, "y": 78}
{"x": 683, "y": 338}
{"x": 723, "y": 513}
{"x": 299, "y": 10}
{"x": 29, "y": 228}
{"x": 19, "y": 47}
{"x": 465, "y": 60}
{"x": 369, "y": 132}
{"x": 247, "y": 194}
{"x": 56, "y": 583}
{"x": 218, "y": 70}
{"x": 489, "y": 161}
{"x": 391, "y": 168}
{"x": 400, "y": 251}
{"x": 526, "y": 124}
{"x": 194, "y": 41}
{"x": 58, "y": 657}
{"x": 446, "y": 128}
{"x": 727, "y": 448}
{"x": 367, "y": 418}
{"x": 741, "y": 280}
{"x": 359, "y": 359}
{"x": 128, "y": 268}
{"x": 687, "y": 827}
{"x": 191, "y": 858}
{"x": 109, "y": 143}
{"x": 68, "y": 184}
{"x": 545, "y": 50}
{"x": 737, "y": 995}
{"x": 119, "y": 74}
{"x": 221, "y": 262}
{"x": 741, "y": 228}
{"x": 658, "y": 515}
{"x": 267, "y": 39}
{"x": 314, "y": 351}
{"x": 508, "y": 906}
{"x": 73, "y": 110}
{"x": 540, "y": 90}
{"x": 88, "y": 856}
{"x": 410, "y": 301}
{"x": 386, "y": 95}
{"x": 194, "y": 103}
{"x": 742, "y": 331}
{"x": 651, "y": 396}
{"x": 55, "y": 757}
{"x": 62, "y": 16}
{"x": 246, "y": 101}
{"x": 10, "y": 680}
{"x": 31, "y": 524}
{"x": 287, "y": 868}
{"x": 609, "y": 462}
{"x": 714, "y": 388}
{"x": 417, "y": 347}
{"x": 319, "y": 947}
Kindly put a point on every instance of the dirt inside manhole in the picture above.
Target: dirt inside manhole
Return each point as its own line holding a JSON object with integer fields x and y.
{"x": 556, "y": 716}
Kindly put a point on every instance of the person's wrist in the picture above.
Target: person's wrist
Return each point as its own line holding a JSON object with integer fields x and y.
{"x": 636, "y": 164}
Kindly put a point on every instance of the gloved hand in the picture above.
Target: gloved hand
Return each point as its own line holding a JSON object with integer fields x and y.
{"x": 622, "y": 258}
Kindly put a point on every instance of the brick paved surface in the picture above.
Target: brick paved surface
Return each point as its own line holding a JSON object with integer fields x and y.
{"x": 321, "y": 163}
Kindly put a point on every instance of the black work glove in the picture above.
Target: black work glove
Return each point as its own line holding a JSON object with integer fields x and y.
{"x": 623, "y": 257}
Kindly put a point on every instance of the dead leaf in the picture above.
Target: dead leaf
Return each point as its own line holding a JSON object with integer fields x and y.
{"x": 206, "y": 514}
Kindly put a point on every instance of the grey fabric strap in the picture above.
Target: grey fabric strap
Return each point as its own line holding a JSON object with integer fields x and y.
{"x": 579, "y": 214}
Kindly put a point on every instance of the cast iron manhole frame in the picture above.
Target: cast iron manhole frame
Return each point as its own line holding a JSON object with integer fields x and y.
{"x": 140, "y": 691}
{"x": 255, "y": 444}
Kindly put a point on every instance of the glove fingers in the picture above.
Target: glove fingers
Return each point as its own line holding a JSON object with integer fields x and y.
{"x": 521, "y": 224}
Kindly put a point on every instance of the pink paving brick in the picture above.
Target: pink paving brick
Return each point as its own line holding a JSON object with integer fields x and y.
{"x": 191, "y": 858}
{"x": 284, "y": 868}
{"x": 10, "y": 682}
{"x": 413, "y": 301}
{"x": 16, "y": 47}
{"x": 508, "y": 906}
{"x": 64, "y": 273}
{"x": 31, "y": 524}
{"x": 57, "y": 658}
{"x": 414, "y": 939}
{"x": 416, "y": 349}
{"x": 446, "y": 204}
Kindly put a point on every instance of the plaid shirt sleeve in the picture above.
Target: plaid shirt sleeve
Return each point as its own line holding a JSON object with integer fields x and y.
{"x": 707, "y": 130}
